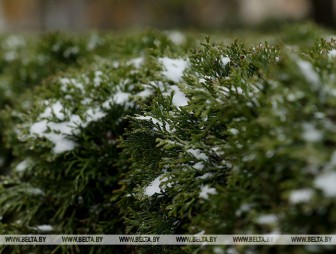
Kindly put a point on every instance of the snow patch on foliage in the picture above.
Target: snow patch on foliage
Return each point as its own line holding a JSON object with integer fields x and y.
{"x": 199, "y": 165}
{"x": 136, "y": 62}
{"x": 179, "y": 98}
{"x": 243, "y": 209}
{"x": 300, "y": 196}
{"x": 67, "y": 124}
{"x": 225, "y": 60}
{"x": 55, "y": 109}
{"x": 22, "y": 166}
{"x": 154, "y": 186}
{"x": 61, "y": 143}
{"x": 44, "y": 228}
{"x": 309, "y": 73}
{"x": 121, "y": 97}
{"x": 234, "y": 131}
{"x": 326, "y": 181}
{"x": 205, "y": 176}
{"x": 311, "y": 133}
{"x": 145, "y": 93}
{"x": 173, "y": 68}
{"x": 56, "y": 133}
{"x": 267, "y": 219}
{"x": 59, "y": 132}
{"x": 198, "y": 154}
{"x": 39, "y": 128}
{"x": 35, "y": 191}
{"x": 65, "y": 82}
{"x": 97, "y": 80}
{"x": 176, "y": 37}
{"x": 206, "y": 191}
{"x": 332, "y": 163}
{"x": 332, "y": 53}
{"x": 93, "y": 115}
{"x": 163, "y": 126}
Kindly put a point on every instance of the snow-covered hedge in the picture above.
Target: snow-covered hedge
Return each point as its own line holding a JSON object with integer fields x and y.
{"x": 161, "y": 138}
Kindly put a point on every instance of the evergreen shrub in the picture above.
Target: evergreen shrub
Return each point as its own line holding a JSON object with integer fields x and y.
{"x": 141, "y": 135}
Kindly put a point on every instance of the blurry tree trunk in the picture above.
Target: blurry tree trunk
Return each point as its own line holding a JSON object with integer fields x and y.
{"x": 323, "y": 12}
{"x": 42, "y": 15}
{"x": 2, "y": 20}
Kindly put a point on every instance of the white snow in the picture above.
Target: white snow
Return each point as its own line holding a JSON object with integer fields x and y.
{"x": 154, "y": 186}
{"x": 332, "y": 162}
{"x": 70, "y": 51}
{"x": 155, "y": 121}
{"x": 22, "y": 166}
{"x": 206, "y": 190}
{"x": 310, "y": 133}
{"x": 39, "y": 128}
{"x": 14, "y": 42}
{"x": 56, "y": 109}
{"x": 93, "y": 42}
{"x": 326, "y": 181}
{"x": 201, "y": 232}
{"x": 10, "y": 56}
{"x": 121, "y": 97}
{"x": 35, "y": 191}
{"x": 63, "y": 127}
{"x": 58, "y": 132}
{"x": 202, "y": 80}
{"x": 97, "y": 78}
{"x": 47, "y": 113}
{"x": 243, "y": 208}
{"x": 179, "y": 98}
{"x": 225, "y": 60}
{"x": 234, "y": 131}
{"x": 86, "y": 101}
{"x": 300, "y": 196}
{"x": 94, "y": 114}
{"x": 173, "y": 68}
{"x": 309, "y": 73}
{"x": 270, "y": 153}
{"x": 205, "y": 176}
{"x": 176, "y": 37}
{"x": 198, "y": 154}
{"x": 61, "y": 142}
{"x": 136, "y": 62}
{"x": 199, "y": 165}
{"x": 267, "y": 219}
{"x": 44, "y": 228}
{"x": 65, "y": 82}
{"x": 239, "y": 90}
{"x": 332, "y": 53}
{"x": 145, "y": 93}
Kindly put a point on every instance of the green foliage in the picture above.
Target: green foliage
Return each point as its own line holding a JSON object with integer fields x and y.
{"x": 135, "y": 134}
{"x": 256, "y": 132}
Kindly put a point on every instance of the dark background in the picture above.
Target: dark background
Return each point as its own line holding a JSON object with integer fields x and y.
{"x": 83, "y": 15}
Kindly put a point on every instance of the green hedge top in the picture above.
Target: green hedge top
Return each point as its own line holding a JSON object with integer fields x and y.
{"x": 217, "y": 139}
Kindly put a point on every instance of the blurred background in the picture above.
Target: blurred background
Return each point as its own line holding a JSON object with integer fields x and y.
{"x": 82, "y": 15}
